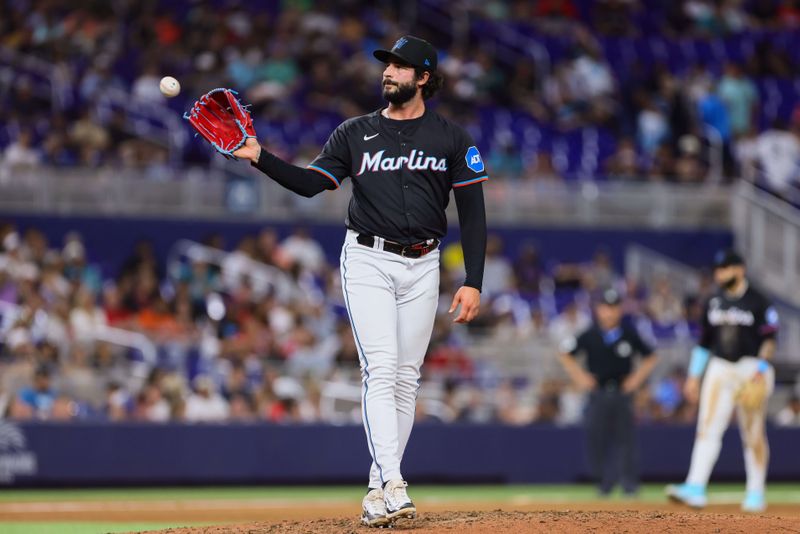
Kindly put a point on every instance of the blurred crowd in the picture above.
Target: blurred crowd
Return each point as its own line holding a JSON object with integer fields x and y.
{"x": 302, "y": 63}
{"x": 260, "y": 333}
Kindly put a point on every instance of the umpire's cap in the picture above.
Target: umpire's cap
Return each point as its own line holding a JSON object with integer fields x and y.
{"x": 610, "y": 297}
{"x": 727, "y": 258}
{"x": 416, "y": 52}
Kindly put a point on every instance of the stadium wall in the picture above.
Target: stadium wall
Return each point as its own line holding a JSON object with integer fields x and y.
{"x": 52, "y": 454}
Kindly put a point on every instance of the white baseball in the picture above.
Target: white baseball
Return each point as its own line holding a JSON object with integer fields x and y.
{"x": 169, "y": 86}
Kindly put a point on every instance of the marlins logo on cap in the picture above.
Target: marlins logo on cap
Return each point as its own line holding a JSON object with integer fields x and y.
{"x": 412, "y": 50}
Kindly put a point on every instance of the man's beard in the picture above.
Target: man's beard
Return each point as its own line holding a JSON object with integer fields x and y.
{"x": 401, "y": 95}
{"x": 730, "y": 283}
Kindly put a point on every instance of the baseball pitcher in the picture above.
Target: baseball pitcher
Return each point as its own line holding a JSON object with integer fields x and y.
{"x": 403, "y": 160}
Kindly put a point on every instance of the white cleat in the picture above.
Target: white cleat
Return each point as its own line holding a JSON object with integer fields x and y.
{"x": 373, "y": 510}
{"x": 688, "y": 494}
{"x": 754, "y": 502}
{"x": 398, "y": 504}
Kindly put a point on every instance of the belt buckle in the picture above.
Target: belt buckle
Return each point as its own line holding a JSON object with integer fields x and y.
{"x": 420, "y": 248}
{"x": 423, "y": 247}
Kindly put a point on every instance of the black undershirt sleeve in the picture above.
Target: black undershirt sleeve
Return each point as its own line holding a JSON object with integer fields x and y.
{"x": 706, "y": 330}
{"x": 302, "y": 181}
{"x": 472, "y": 220}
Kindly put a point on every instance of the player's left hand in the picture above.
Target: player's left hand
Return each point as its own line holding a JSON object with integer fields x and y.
{"x": 752, "y": 394}
{"x": 250, "y": 150}
{"x": 470, "y": 300}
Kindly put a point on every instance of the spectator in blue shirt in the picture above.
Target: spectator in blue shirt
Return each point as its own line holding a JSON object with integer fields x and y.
{"x": 713, "y": 113}
{"x": 41, "y": 396}
{"x": 715, "y": 116}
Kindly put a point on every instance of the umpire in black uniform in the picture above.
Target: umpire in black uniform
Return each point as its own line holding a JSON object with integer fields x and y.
{"x": 610, "y": 378}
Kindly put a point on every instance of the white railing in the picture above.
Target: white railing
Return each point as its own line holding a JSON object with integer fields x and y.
{"x": 767, "y": 230}
{"x": 647, "y": 266}
{"x": 152, "y": 121}
{"x": 146, "y": 120}
{"x": 340, "y": 402}
{"x": 265, "y": 279}
{"x": 235, "y": 190}
{"x": 454, "y": 20}
{"x": 115, "y": 336}
{"x": 129, "y": 339}
{"x": 594, "y": 204}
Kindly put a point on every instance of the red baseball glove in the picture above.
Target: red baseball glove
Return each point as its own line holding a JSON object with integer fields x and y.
{"x": 222, "y": 121}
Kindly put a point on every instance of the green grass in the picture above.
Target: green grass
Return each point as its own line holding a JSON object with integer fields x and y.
{"x": 776, "y": 494}
{"x": 783, "y": 492}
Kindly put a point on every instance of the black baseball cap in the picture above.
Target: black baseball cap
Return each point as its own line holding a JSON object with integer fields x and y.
{"x": 610, "y": 297}
{"x": 726, "y": 258}
{"x": 412, "y": 50}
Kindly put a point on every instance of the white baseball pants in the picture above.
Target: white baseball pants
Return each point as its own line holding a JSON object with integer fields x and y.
{"x": 717, "y": 401}
{"x": 392, "y": 303}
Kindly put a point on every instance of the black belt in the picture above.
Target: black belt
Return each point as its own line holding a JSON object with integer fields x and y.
{"x": 417, "y": 250}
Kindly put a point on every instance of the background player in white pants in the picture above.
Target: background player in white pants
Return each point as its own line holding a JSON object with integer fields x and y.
{"x": 737, "y": 342}
{"x": 403, "y": 161}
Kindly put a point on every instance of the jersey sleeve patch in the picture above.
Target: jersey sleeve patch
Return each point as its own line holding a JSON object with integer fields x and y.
{"x": 771, "y": 316}
{"x": 326, "y": 174}
{"x": 771, "y": 321}
{"x": 474, "y": 159}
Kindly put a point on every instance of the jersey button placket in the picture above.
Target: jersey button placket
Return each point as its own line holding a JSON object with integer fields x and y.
{"x": 402, "y": 172}
{"x": 404, "y": 177}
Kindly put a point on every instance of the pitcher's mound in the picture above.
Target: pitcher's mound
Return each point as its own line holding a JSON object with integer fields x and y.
{"x": 501, "y": 522}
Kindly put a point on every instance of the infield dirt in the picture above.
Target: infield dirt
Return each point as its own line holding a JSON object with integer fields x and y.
{"x": 503, "y": 522}
{"x": 273, "y": 516}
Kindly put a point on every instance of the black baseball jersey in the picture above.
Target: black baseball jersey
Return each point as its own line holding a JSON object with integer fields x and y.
{"x": 734, "y": 327}
{"x": 402, "y": 172}
{"x": 609, "y": 354}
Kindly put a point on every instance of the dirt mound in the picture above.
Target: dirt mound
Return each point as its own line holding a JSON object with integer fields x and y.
{"x": 502, "y": 522}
